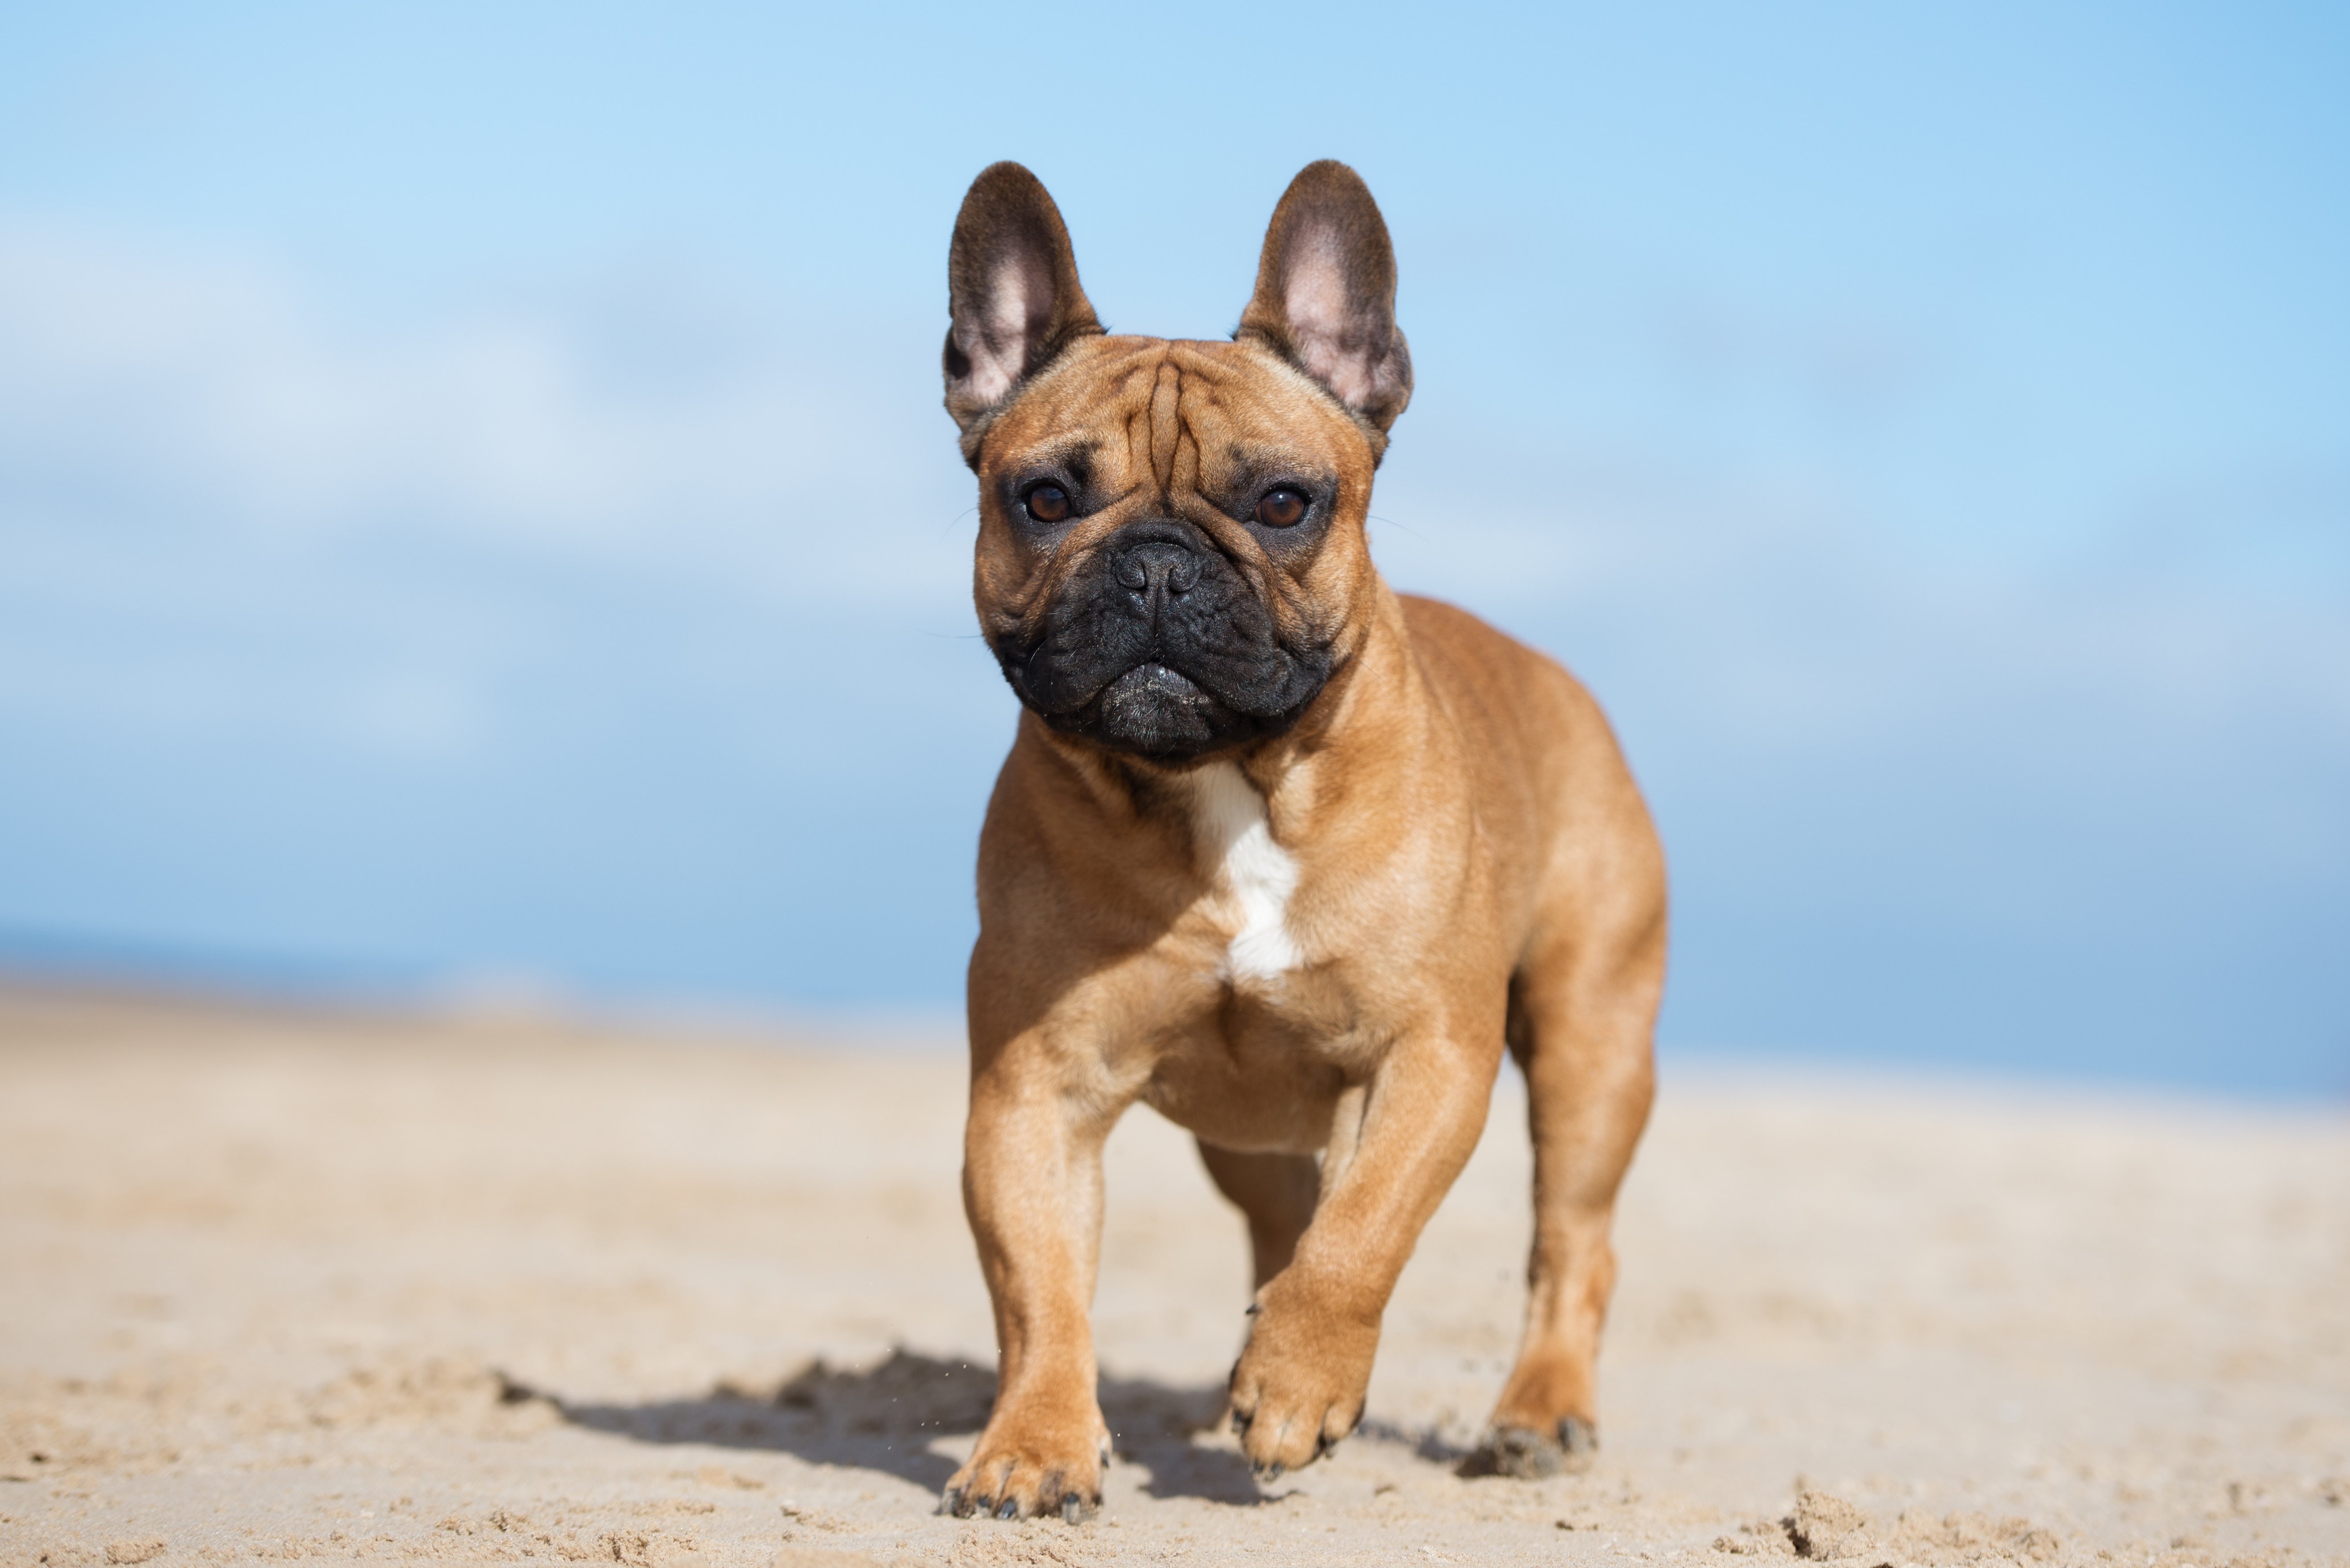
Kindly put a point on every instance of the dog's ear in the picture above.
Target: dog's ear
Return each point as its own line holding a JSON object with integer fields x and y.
{"x": 1326, "y": 293}
{"x": 1012, "y": 294}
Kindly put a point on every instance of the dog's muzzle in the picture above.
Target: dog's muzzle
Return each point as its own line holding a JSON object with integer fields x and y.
{"x": 1158, "y": 644}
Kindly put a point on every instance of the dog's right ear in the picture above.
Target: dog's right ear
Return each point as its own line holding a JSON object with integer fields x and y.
{"x": 1012, "y": 293}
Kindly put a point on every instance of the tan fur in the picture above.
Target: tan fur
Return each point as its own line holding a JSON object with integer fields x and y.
{"x": 1474, "y": 869}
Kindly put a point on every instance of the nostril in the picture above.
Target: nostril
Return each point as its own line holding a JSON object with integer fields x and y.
{"x": 1156, "y": 566}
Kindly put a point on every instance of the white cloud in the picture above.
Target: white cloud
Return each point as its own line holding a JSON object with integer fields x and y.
{"x": 210, "y": 385}
{"x": 225, "y": 509}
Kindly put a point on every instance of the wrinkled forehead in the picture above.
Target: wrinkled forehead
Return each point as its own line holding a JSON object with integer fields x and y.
{"x": 1174, "y": 412}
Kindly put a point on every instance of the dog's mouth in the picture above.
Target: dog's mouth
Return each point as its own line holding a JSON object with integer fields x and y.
{"x": 1158, "y": 712}
{"x": 1153, "y": 678}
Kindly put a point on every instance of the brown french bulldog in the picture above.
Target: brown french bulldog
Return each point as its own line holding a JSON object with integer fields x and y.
{"x": 1277, "y": 851}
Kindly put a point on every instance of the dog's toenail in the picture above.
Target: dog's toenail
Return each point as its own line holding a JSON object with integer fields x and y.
{"x": 1072, "y": 1508}
{"x": 1008, "y": 1509}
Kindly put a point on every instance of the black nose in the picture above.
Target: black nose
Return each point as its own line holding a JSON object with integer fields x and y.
{"x": 1153, "y": 567}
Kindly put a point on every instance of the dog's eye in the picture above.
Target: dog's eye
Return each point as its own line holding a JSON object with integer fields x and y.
{"x": 1282, "y": 507}
{"x": 1047, "y": 503}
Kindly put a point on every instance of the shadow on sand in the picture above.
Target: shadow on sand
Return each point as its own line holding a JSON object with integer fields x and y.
{"x": 885, "y": 1418}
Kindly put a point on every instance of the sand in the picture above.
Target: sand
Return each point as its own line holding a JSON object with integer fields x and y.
{"x": 280, "y": 1286}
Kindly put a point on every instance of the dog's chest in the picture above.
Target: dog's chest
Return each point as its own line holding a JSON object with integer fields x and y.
{"x": 1250, "y": 876}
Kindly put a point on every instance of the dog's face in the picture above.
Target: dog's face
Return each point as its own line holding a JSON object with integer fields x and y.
{"x": 1171, "y": 559}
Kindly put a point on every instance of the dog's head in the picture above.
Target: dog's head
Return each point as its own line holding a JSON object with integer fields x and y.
{"x": 1171, "y": 558}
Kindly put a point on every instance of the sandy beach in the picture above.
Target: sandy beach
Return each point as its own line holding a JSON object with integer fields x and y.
{"x": 283, "y": 1284}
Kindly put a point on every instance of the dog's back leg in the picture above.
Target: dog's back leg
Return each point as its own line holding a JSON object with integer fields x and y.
{"x": 1581, "y": 1015}
{"x": 1275, "y": 1192}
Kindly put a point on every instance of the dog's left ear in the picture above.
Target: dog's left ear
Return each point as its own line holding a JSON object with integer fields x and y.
{"x": 1326, "y": 293}
{"x": 1013, "y": 293}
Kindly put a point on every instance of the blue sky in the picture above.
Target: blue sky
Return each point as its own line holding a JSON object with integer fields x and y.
{"x": 475, "y": 506}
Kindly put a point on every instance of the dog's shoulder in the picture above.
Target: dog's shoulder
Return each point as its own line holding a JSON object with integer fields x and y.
{"x": 1455, "y": 646}
{"x": 1524, "y": 716}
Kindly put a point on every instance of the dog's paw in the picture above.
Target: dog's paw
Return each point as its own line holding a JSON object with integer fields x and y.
{"x": 1530, "y": 1453}
{"x": 1027, "y": 1469}
{"x": 1297, "y": 1389}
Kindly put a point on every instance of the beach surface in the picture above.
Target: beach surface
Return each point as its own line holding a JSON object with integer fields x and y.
{"x": 280, "y": 1284}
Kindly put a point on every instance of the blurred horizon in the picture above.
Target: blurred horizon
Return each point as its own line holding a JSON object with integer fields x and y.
{"x": 476, "y": 514}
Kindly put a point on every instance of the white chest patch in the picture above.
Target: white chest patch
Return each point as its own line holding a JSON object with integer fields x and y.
{"x": 1249, "y": 871}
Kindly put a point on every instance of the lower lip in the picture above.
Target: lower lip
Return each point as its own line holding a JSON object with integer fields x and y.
{"x": 1157, "y": 674}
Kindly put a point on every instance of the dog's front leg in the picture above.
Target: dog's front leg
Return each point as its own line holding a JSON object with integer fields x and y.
{"x": 1032, "y": 1184}
{"x": 1299, "y": 1386}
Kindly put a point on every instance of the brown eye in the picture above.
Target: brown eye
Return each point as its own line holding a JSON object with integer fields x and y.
{"x": 1047, "y": 503}
{"x": 1281, "y": 508}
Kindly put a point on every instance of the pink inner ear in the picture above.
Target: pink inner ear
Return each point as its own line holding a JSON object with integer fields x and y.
{"x": 1000, "y": 344}
{"x": 1316, "y": 305}
{"x": 1018, "y": 312}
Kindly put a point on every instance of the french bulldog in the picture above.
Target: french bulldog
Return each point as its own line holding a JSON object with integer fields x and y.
{"x": 1286, "y": 855}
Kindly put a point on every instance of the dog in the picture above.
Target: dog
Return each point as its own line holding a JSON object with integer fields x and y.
{"x": 1284, "y": 855}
